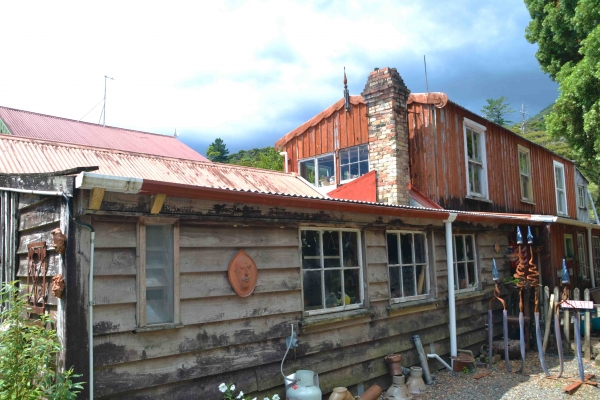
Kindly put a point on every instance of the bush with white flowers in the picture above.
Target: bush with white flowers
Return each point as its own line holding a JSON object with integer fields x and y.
{"x": 229, "y": 393}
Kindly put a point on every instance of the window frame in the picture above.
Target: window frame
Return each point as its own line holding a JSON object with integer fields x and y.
{"x": 581, "y": 197}
{"x": 426, "y": 265}
{"x": 582, "y": 256}
{"x": 361, "y": 269}
{"x": 455, "y": 262}
{"x": 480, "y": 130}
{"x": 141, "y": 310}
{"x": 342, "y": 181}
{"x": 316, "y": 161}
{"x": 562, "y": 190}
{"x": 527, "y": 153}
{"x": 567, "y": 237}
{"x": 596, "y": 254}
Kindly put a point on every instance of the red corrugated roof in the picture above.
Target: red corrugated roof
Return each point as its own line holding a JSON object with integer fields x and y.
{"x": 46, "y": 127}
{"x": 24, "y": 156}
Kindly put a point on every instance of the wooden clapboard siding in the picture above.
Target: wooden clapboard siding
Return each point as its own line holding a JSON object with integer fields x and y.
{"x": 437, "y": 164}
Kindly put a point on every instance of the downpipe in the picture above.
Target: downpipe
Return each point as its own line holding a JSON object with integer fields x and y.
{"x": 437, "y": 357}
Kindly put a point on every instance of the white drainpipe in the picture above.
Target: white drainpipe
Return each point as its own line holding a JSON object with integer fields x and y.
{"x": 450, "y": 268}
{"x": 591, "y": 257}
{"x": 285, "y": 161}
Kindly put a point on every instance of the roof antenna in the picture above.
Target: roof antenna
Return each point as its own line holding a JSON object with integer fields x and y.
{"x": 426, "y": 82}
{"x": 103, "y": 113}
{"x": 523, "y": 119}
{"x": 175, "y": 134}
{"x": 346, "y": 93}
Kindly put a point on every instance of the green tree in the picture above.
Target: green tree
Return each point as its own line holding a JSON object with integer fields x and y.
{"x": 217, "y": 151}
{"x": 266, "y": 158}
{"x": 568, "y": 36}
{"x": 496, "y": 111}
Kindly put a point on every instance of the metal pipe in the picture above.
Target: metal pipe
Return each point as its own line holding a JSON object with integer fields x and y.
{"x": 559, "y": 344}
{"x": 505, "y": 334}
{"x": 450, "y": 269}
{"x": 440, "y": 360}
{"x": 538, "y": 337}
{"x": 423, "y": 359}
{"x": 40, "y": 192}
{"x": 591, "y": 257}
{"x": 577, "y": 327}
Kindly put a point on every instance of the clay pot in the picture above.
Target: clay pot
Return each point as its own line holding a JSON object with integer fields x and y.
{"x": 340, "y": 393}
{"x": 372, "y": 393}
{"x": 415, "y": 382}
{"x": 398, "y": 390}
{"x": 393, "y": 361}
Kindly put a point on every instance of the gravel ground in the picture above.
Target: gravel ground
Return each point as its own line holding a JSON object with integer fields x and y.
{"x": 510, "y": 385}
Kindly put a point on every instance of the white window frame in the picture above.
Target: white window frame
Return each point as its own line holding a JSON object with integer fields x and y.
{"x": 596, "y": 248}
{"x": 582, "y": 256}
{"x": 358, "y": 162}
{"x": 525, "y": 151}
{"x": 427, "y": 287}
{"x": 581, "y": 196}
{"x": 141, "y": 271}
{"x": 344, "y": 306}
{"x": 455, "y": 263}
{"x": 480, "y": 130}
{"x": 567, "y": 237}
{"x": 316, "y": 160}
{"x": 560, "y": 191}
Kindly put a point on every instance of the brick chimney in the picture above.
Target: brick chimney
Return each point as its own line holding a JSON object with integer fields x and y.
{"x": 386, "y": 94}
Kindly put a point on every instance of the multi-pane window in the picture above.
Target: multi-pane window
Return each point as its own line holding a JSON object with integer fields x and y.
{"x": 331, "y": 269}
{"x": 354, "y": 162}
{"x": 581, "y": 257}
{"x": 319, "y": 171}
{"x": 525, "y": 174}
{"x": 596, "y": 248}
{"x": 476, "y": 169}
{"x": 569, "y": 248}
{"x": 158, "y": 272}
{"x": 465, "y": 262}
{"x": 407, "y": 260}
{"x": 581, "y": 198}
{"x": 559, "y": 186}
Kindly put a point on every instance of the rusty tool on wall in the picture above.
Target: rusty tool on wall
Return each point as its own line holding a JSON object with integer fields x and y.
{"x": 534, "y": 281}
{"x": 497, "y": 297}
{"x": 520, "y": 274}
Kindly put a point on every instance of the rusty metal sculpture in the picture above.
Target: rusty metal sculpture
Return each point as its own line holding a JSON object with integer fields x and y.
{"x": 534, "y": 281}
{"x": 521, "y": 276}
{"x": 497, "y": 297}
{"x": 37, "y": 268}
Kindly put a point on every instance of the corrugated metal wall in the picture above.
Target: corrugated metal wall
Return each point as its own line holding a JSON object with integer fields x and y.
{"x": 436, "y": 145}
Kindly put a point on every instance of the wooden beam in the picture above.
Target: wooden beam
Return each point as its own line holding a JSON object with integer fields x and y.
{"x": 156, "y": 203}
{"x": 96, "y": 196}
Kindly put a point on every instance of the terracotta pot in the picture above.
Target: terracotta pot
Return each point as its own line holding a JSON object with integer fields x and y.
{"x": 340, "y": 393}
{"x": 393, "y": 361}
{"x": 372, "y": 393}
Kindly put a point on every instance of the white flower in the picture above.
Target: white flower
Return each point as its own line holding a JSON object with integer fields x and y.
{"x": 275, "y": 397}
{"x": 222, "y": 388}
{"x": 232, "y": 388}
{"x": 239, "y": 396}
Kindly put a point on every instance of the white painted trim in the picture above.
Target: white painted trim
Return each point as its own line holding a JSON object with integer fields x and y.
{"x": 481, "y": 130}
{"x": 525, "y": 150}
{"x": 111, "y": 183}
{"x": 403, "y": 299}
{"x": 562, "y": 167}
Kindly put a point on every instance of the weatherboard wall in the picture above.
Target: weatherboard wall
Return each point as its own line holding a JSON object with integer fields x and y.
{"x": 226, "y": 338}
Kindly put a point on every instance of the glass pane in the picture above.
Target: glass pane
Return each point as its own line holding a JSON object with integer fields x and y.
{"x": 159, "y": 274}
{"x": 408, "y": 281}
{"x": 353, "y": 154}
{"x": 470, "y": 143}
{"x": 421, "y": 279}
{"x": 470, "y": 247}
{"x": 561, "y": 202}
{"x": 354, "y": 170}
{"x": 406, "y": 248}
{"x": 462, "y": 276}
{"x": 459, "y": 250}
{"x": 333, "y": 288}
{"x": 313, "y": 291}
{"x": 363, "y": 153}
{"x": 310, "y": 243}
{"x": 471, "y": 178}
{"x": 331, "y": 243}
{"x": 476, "y": 184}
{"x": 350, "y": 249}
{"x": 525, "y": 187}
{"x": 326, "y": 170}
{"x": 476, "y": 151}
{"x": 352, "y": 286}
{"x": 392, "y": 240}
{"x": 307, "y": 170}
{"x": 395, "y": 282}
{"x": 345, "y": 172}
{"x": 420, "y": 248}
{"x": 472, "y": 274}
{"x": 363, "y": 168}
{"x": 344, "y": 157}
{"x": 559, "y": 177}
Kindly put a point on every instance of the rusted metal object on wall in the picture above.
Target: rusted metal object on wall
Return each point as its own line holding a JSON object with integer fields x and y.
{"x": 58, "y": 241}
{"x": 37, "y": 290}
{"x": 242, "y": 274}
{"x": 58, "y": 286}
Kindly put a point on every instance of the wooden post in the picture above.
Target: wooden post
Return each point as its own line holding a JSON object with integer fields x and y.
{"x": 587, "y": 350}
{"x": 549, "y": 313}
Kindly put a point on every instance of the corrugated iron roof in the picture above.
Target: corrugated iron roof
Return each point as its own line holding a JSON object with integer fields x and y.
{"x": 23, "y": 156}
{"x": 46, "y": 127}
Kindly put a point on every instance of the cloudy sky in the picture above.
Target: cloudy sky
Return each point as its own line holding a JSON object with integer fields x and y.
{"x": 250, "y": 71}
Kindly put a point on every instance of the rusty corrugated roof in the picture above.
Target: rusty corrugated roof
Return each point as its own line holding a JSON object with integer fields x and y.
{"x": 56, "y": 129}
{"x": 25, "y": 156}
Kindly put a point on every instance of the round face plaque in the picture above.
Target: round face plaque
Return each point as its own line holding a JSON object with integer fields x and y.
{"x": 242, "y": 274}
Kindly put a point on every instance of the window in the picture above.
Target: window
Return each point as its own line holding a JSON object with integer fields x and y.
{"x": 569, "y": 252}
{"x": 354, "y": 162}
{"x": 559, "y": 186}
{"x": 158, "y": 272}
{"x": 581, "y": 255}
{"x": 465, "y": 264}
{"x": 319, "y": 171}
{"x": 407, "y": 261}
{"x": 596, "y": 247}
{"x": 525, "y": 174}
{"x": 331, "y": 270}
{"x": 475, "y": 160}
{"x": 581, "y": 198}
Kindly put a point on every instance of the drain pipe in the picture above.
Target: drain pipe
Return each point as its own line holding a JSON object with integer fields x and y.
{"x": 90, "y": 297}
{"x": 450, "y": 270}
{"x": 591, "y": 257}
{"x": 444, "y": 363}
{"x": 285, "y": 161}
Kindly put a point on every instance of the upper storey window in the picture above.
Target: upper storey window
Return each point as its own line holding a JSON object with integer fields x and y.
{"x": 319, "y": 171}
{"x": 354, "y": 162}
{"x": 560, "y": 188}
{"x": 475, "y": 159}
{"x": 525, "y": 174}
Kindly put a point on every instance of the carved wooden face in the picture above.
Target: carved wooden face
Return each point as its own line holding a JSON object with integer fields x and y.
{"x": 242, "y": 274}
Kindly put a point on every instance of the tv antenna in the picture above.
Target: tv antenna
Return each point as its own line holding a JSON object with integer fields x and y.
{"x": 426, "y": 82}
{"x": 523, "y": 119}
{"x": 103, "y": 113}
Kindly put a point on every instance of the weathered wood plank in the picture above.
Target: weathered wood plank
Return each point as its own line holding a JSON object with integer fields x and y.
{"x": 114, "y": 289}
{"x": 379, "y": 291}
{"x": 42, "y": 213}
{"x": 196, "y": 236}
{"x": 377, "y": 255}
{"x": 377, "y": 273}
{"x": 115, "y": 234}
{"x": 218, "y": 259}
{"x": 375, "y": 238}
{"x": 114, "y": 318}
{"x": 52, "y": 263}
{"x": 40, "y": 234}
{"x": 156, "y": 203}
{"x": 96, "y": 196}
{"x": 28, "y": 199}
{"x": 114, "y": 262}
